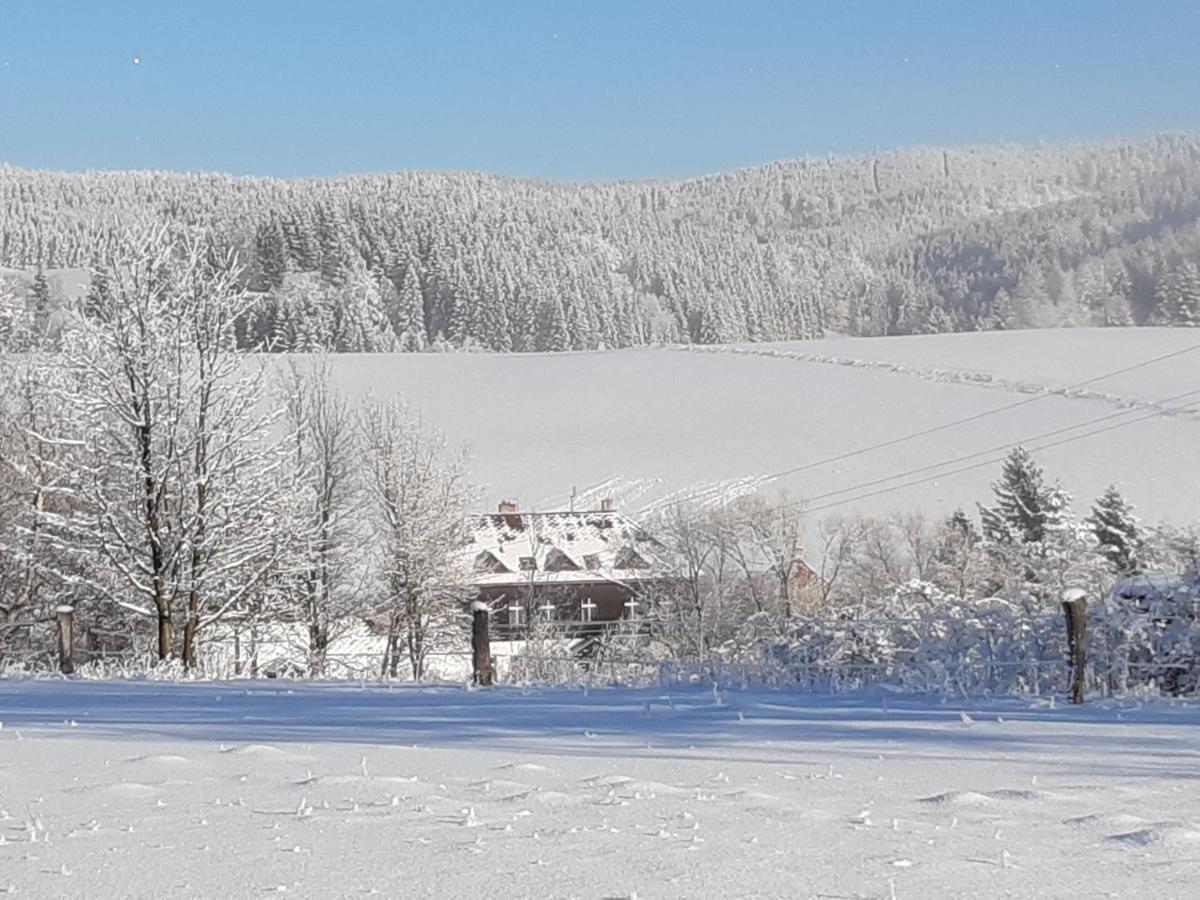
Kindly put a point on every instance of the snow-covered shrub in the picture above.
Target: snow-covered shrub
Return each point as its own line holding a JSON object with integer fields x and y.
{"x": 1149, "y": 637}
{"x": 918, "y": 638}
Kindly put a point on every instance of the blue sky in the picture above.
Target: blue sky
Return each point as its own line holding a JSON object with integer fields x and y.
{"x": 573, "y": 89}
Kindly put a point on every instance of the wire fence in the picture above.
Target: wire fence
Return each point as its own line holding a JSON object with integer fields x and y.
{"x": 942, "y": 653}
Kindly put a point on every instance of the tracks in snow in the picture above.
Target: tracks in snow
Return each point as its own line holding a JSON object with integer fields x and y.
{"x": 972, "y": 377}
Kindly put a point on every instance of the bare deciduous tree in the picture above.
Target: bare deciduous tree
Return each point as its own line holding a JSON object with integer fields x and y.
{"x": 324, "y": 562}
{"x": 179, "y": 482}
{"x": 418, "y": 495}
{"x": 35, "y": 482}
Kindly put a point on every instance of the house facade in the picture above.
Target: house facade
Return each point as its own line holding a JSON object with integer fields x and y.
{"x": 568, "y": 572}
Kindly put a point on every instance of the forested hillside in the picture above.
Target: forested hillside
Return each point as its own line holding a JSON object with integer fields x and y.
{"x": 914, "y": 241}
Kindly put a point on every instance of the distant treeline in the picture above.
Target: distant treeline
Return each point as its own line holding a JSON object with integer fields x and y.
{"x": 916, "y": 241}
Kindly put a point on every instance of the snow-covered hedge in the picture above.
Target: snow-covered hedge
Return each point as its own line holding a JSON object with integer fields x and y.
{"x": 918, "y": 638}
{"x": 1151, "y": 640}
{"x": 923, "y": 639}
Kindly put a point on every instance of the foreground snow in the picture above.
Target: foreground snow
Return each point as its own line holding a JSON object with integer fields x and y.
{"x": 236, "y": 789}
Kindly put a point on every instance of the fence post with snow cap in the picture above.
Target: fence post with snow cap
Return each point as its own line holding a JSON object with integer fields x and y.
{"x": 1074, "y": 605}
{"x": 66, "y": 639}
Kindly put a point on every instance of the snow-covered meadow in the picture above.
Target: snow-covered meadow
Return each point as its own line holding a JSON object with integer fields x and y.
{"x": 711, "y": 422}
{"x": 241, "y": 789}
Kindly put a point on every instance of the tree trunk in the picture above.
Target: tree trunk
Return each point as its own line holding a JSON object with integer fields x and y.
{"x": 391, "y": 655}
{"x": 190, "y": 630}
{"x": 318, "y": 648}
{"x": 415, "y": 638}
{"x": 166, "y": 634}
{"x": 1074, "y": 605}
{"x": 481, "y": 647}
{"x": 66, "y": 639}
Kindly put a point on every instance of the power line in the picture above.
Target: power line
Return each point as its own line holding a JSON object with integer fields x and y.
{"x": 980, "y": 465}
{"x": 891, "y": 442}
{"x": 1001, "y": 448}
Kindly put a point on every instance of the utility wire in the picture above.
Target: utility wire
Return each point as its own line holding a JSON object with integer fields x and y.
{"x": 1004, "y": 447}
{"x": 891, "y": 442}
{"x": 980, "y": 465}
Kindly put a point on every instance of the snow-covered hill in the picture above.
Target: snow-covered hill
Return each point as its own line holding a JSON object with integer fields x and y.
{"x": 641, "y": 425}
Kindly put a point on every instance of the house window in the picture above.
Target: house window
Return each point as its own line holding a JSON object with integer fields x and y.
{"x": 588, "y": 610}
{"x": 528, "y": 564}
{"x": 631, "y": 606}
{"x": 548, "y": 611}
{"x": 592, "y": 561}
{"x": 514, "y": 614}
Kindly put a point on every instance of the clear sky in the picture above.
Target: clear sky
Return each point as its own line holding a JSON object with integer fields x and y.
{"x": 574, "y": 89}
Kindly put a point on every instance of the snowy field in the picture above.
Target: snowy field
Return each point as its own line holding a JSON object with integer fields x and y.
{"x": 243, "y": 789}
{"x": 641, "y": 425}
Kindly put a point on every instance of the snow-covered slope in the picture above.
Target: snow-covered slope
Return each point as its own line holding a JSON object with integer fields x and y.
{"x": 640, "y": 425}
{"x": 318, "y": 790}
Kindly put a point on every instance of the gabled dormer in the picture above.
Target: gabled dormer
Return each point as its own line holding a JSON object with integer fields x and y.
{"x": 488, "y": 562}
{"x": 628, "y": 558}
{"x": 558, "y": 561}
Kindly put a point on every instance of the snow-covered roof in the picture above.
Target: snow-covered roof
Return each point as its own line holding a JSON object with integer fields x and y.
{"x": 513, "y": 548}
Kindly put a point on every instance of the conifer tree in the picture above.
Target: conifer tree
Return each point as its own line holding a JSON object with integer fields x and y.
{"x": 552, "y": 333}
{"x": 494, "y": 324}
{"x": 41, "y": 306}
{"x": 409, "y": 319}
{"x": 1026, "y": 508}
{"x": 270, "y": 247}
{"x": 1116, "y": 529}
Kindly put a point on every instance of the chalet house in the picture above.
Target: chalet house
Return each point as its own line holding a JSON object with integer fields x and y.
{"x": 575, "y": 573}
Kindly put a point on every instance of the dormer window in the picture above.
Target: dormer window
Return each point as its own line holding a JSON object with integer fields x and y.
{"x": 487, "y": 561}
{"x": 557, "y": 561}
{"x": 628, "y": 558}
{"x": 528, "y": 564}
{"x": 591, "y": 561}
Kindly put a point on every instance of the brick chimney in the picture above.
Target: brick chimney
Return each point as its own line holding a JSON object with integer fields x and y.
{"x": 607, "y": 505}
{"x": 508, "y": 507}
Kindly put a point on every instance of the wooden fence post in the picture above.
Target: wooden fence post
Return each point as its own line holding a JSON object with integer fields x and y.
{"x": 481, "y": 646}
{"x": 66, "y": 639}
{"x": 1074, "y": 605}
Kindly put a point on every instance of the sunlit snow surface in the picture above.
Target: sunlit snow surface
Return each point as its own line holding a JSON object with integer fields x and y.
{"x": 241, "y": 789}
{"x": 642, "y": 426}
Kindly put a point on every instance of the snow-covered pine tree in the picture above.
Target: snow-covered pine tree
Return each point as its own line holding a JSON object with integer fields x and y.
{"x": 1035, "y": 545}
{"x": 41, "y": 303}
{"x": 551, "y": 326}
{"x": 270, "y": 248}
{"x": 1002, "y": 314}
{"x": 361, "y": 323}
{"x": 1026, "y": 508}
{"x": 409, "y": 318}
{"x": 494, "y": 324}
{"x": 337, "y": 258}
{"x": 1116, "y": 528}
{"x": 1188, "y": 303}
{"x": 302, "y": 243}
